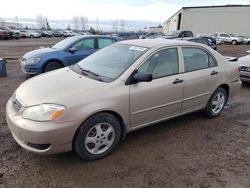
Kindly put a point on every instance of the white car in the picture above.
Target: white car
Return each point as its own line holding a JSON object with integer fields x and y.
{"x": 228, "y": 38}
{"x": 245, "y": 68}
{"x": 246, "y": 40}
{"x": 31, "y": 34}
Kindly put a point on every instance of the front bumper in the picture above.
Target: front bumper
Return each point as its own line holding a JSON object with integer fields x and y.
{"x": 57, "y": 137}
{"x": 30, "y": 69}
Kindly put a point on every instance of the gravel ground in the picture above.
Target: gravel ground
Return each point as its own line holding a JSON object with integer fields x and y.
{"x": 190, "y": 151}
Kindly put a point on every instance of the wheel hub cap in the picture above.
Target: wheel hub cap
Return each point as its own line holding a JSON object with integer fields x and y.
{"x": 218, "y": 103}
{"x": 99, "y": 138}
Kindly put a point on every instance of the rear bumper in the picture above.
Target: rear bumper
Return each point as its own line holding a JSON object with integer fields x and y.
{"x": 234, "y": 87}
{"x": 245, "y": 76}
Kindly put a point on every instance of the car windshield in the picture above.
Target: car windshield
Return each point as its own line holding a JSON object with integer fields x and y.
{"x": 173, "y": 33}
{"x": 110, "y": 62}
{"x": 232, "y": 35}
{"x": 64, "y": 43}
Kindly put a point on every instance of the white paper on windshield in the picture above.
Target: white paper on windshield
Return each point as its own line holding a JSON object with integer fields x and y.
{"x": 137, "y": 48}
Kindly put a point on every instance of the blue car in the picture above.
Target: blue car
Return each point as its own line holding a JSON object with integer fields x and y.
{"x": 64, "y": 53}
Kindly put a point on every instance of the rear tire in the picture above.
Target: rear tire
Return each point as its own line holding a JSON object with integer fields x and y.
{"x": 97, "y": 136}
{"x": 216, "y": 103}
{"x": 53, "y": 65}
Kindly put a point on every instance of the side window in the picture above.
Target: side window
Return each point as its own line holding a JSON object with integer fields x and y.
{"x": 85, "y": 44}
{"x": 197, "y": 59}
{"x": 187, "y": 34}
{"x": 103, "y": 42}
{"x": 162, "y": 63}
{"x": 224, "y": 35}
{"x": 212, "y": 61}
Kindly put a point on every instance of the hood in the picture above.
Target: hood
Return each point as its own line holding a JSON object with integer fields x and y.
{"x": 244, "y": 61}
{"x": 58, "y": 86}
{"x": 38, "y": 52}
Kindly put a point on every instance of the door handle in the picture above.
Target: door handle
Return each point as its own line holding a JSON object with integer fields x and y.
{"x": 177, "y": 81}
{"x": 214, "y": 72}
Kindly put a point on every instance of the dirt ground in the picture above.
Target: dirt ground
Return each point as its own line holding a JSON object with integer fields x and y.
{"x": 190, "y": 151}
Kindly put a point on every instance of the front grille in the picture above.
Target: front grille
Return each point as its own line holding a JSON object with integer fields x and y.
{"x": 16, "y": 104}
{"x": 243, "y": 68}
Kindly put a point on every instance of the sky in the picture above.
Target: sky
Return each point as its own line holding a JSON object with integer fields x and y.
{"x": 147, "y": 10}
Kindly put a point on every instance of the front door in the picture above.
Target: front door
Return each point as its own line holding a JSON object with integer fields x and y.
{"x": 162, "y": 97}
{"x": 83, "y": 48}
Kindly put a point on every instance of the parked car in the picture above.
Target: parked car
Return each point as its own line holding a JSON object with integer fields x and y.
{"x": 128, "y": 35}
{"x": 13, "y": 34}
{"x": 64, "y": 53}
{"x": 245, "y": 68}
{"x": 90, "y": 106}
{"x": 178, "y": 34}
{"x": 228, "y": 38}
{"x": 152, "y": 36}
{"x": 202, "y": 40}
{"x": 30, "y": 34}
{"x": 16, "y": 34}
{"x": 208, "y": 36}
{"x": 57, "y": 33}
{"x": 47, "y": 34}
{"x": 246, "y": 40}
{"x": 4, "y": 34}
{"x": 23, "y": 34}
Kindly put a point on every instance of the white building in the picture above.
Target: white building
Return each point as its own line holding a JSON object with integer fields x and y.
{"x": 233, "y": 19}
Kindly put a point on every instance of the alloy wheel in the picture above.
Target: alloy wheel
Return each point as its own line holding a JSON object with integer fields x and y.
{"x": 99, "y": 138}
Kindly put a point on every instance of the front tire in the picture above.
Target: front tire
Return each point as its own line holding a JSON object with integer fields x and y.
{"x": 216, "y": 103}
{"x": 97, "y": 136}
{"x": 234, "y": 42}
{"x": 53, "y": 65}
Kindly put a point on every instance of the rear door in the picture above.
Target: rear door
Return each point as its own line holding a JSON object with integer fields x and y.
{"x": 103, "y": 42}
{"x": 201, "y": 75}
{"x": 84, "y": 47}
{"x": 162, "y": 97}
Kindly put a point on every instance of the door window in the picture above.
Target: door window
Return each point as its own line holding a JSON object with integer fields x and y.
{"x": 103, "y": 42}
{"x": 224, "y": 35}
{"x": 196, "y": 59}
{"x": 162, "y": 63}
{"x": 85, "y": 44}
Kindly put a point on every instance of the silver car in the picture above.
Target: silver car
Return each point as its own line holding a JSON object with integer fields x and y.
{"x": 90, "y": 106}
{"x": 245, "y": 68}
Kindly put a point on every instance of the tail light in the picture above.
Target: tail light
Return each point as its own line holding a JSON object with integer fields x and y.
{"x": 238, "y": 69}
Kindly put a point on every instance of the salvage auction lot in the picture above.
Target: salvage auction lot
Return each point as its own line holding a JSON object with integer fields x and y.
{"x": 189, "y": 151}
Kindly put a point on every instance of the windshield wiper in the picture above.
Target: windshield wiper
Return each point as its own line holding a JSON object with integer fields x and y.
{"x": 87, "y": 72}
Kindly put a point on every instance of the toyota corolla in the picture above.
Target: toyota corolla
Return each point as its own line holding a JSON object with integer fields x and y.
{"x": 90, "y": 106}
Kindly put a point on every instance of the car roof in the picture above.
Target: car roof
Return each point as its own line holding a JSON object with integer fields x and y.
{"x": 95, "y": 36}
{"x": 151, "y": 43}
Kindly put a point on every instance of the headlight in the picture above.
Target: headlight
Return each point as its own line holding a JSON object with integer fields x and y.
{"x": 33, "y": 60}
{"x": 44, "y": 112}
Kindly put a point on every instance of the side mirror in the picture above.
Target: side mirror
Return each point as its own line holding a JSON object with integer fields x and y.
{"x": 248, "y": 51}
{"x": 142, "y": 77}
{"x": 72, "y": 49}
